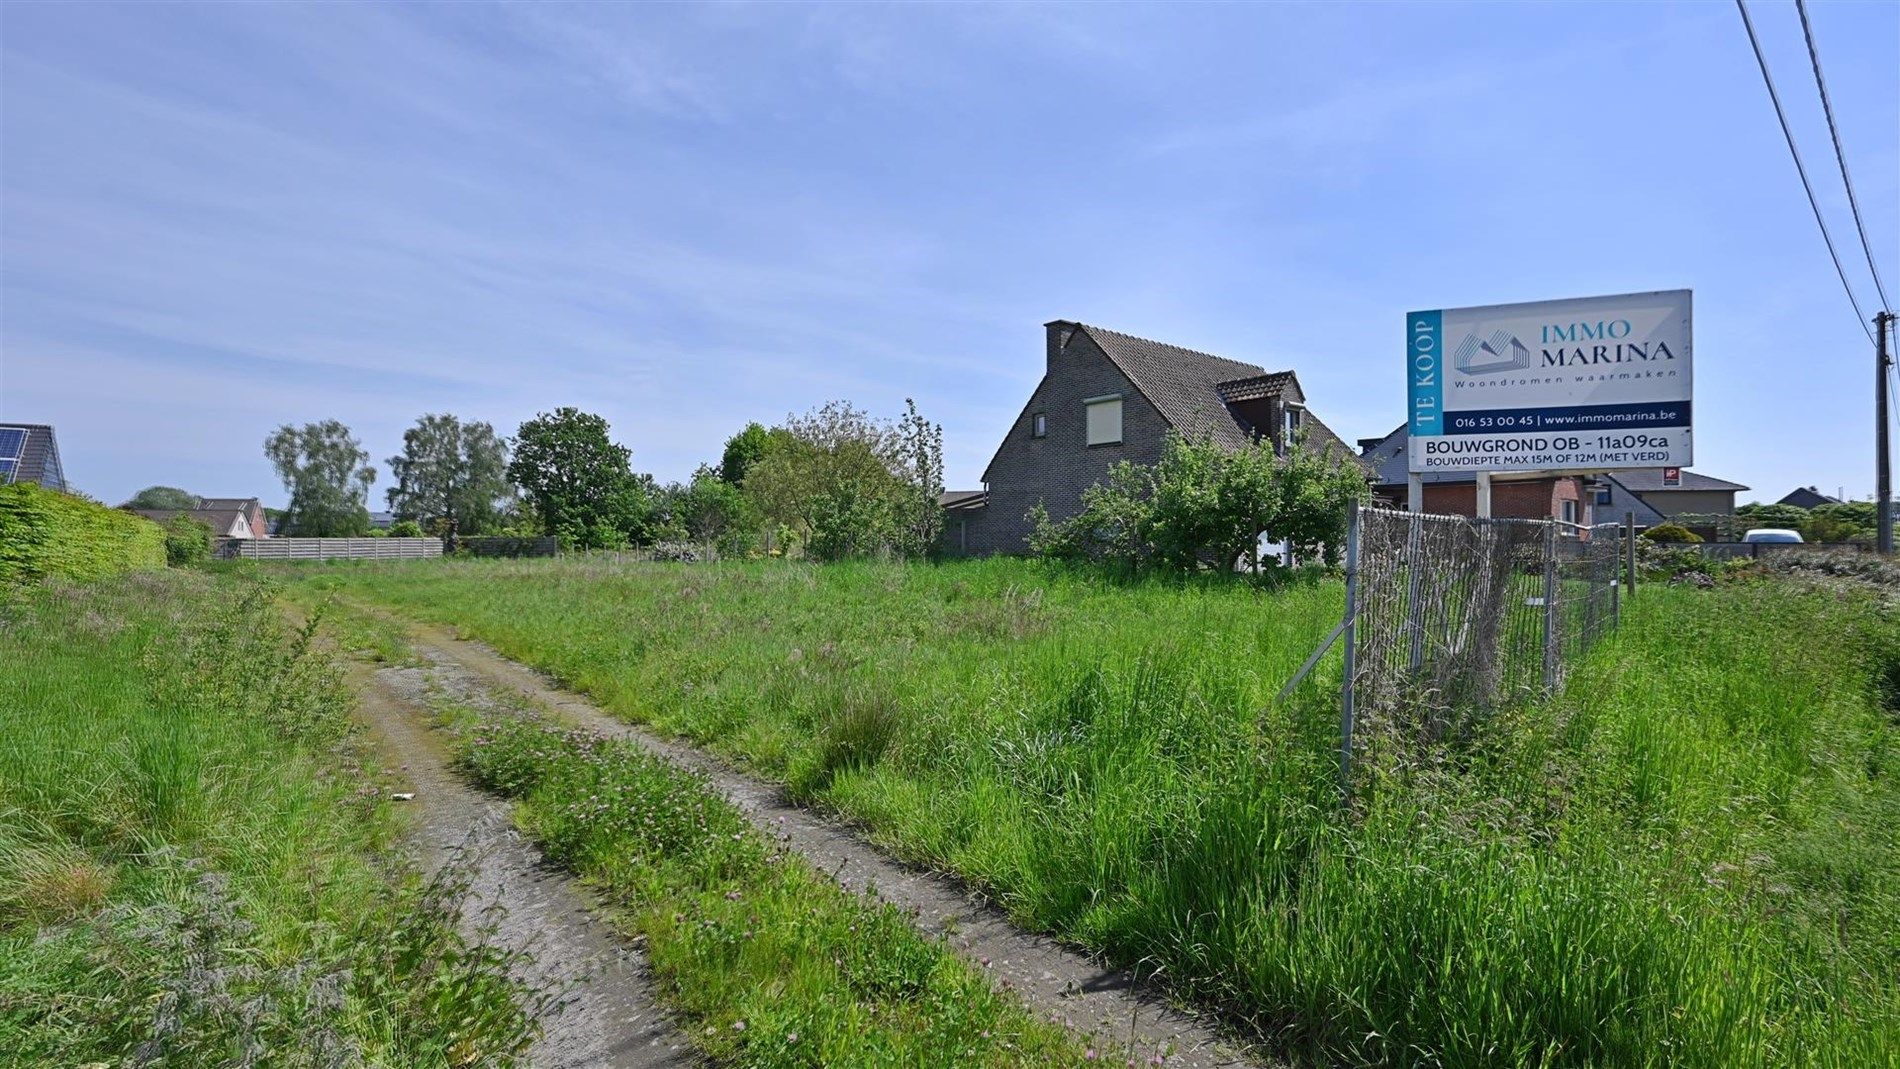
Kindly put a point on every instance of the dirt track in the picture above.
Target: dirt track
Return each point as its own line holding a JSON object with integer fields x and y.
{"x": 1055, "y": 981}
{"x": 608, "y": 1018}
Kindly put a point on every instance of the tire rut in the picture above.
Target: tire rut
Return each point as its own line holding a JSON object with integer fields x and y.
{"x": 1065, "y": 985}
{"x": 608, "y": 1016}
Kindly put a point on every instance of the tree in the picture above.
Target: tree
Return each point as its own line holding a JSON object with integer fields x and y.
{"x": 327, "y": 474}
{"x": 743, "y": 450}
{"x": 163, "y": 497}
{"x": 919, "y": 446}
{"x": 849, "y": 485}
{"x": 579, "y": 481}
{"x": 710, "y": 509}
{"x": 451, "y": 477}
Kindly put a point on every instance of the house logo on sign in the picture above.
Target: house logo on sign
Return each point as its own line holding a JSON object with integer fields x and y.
{"x": 1501, "y": 352}
{"x": 1672, "y": 477}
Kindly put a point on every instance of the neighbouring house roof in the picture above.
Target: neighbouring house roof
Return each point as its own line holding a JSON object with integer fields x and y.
{"x": 962, "y": 499}
{"x": 1192, "y": 389}
{"x": 1649, "y": 480}
{"x": 1624, "y": 502}
{"x": 38, "y": 457}
{"x": 382, "y": 521}
{"x": 224, "y": 523}
{"x": 1808, "y": 497}
{"x": 229, "y": 503}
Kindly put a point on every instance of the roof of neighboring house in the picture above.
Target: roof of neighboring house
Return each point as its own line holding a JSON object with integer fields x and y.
{"x": 229, "y": 503}
{"x": 221, "y": 521}
{"x": 382, "y": 521}
{"x": 39, "y": 457}
{"x": 1808, "y": 497}
{"x": 1624, "y": 503}
{"x": 962, "y": 499}
{"x": 1649, "y": 480}
{"x": 1192, "y": 389}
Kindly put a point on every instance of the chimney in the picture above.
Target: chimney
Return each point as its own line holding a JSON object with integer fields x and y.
{"x": 1060, "y": 330}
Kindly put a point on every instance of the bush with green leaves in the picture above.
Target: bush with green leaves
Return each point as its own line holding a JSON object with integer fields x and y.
{"x": 1672, "y": 532}
{"x": 45, "y": 533}
{"x": 405, "y": 529}
{"x": 187, "y": 541}
{"x": 1204, "y": 506}
{"x": 848, "y": 485}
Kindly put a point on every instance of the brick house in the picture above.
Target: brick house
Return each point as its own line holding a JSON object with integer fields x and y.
{"x": 1106, "y": 397}
{"x": 228, "y": 517}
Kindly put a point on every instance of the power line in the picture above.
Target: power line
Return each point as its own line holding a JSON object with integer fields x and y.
{"x": 1840, "y": 156}
{"x": 1775, "y": 98}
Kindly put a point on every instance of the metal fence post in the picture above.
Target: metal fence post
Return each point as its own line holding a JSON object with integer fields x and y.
{"x": 1629, "y": 549}
{"x": 1351, "y": 653}
{"x": 1552, "y": 638}
{"x": 1413, "y": 610}
{"x": 1616, "y": 588}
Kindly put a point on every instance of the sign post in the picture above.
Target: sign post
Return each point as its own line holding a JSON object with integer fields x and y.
{"x": 1590, "y": 384}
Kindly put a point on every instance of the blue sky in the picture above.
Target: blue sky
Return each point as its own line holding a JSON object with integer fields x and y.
{"x": 218, "y": 218}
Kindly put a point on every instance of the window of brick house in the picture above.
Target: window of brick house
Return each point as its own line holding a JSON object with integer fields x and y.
{"x": 1570, "y": 512}
{"x": 1104, "y": 419}
{"x": 1038, "y": 426}
{"x": 1603, "y": 496}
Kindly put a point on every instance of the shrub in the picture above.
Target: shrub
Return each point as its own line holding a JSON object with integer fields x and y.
{"x": 405, "y": 529}
{"x": 46, "y": 533}
{"x": 187, "y": 541}
{"x": 1672, "y": 532}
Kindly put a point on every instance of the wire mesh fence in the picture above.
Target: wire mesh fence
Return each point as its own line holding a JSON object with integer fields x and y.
{"x": 1450, "y": 618}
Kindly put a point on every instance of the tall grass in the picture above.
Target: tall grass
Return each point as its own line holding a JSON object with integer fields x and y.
{"x": 1688, "y": 858}
{"x": 195, "y": 866}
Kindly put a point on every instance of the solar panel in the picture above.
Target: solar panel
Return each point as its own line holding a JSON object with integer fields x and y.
{"x": 6, "y": 470}
{"x": 12, "y": 441}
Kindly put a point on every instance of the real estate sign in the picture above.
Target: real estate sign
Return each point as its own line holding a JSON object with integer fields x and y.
{"x": 1578, "y": 385}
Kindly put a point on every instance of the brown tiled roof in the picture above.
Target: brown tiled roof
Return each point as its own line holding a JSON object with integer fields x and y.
{"x": 1184, "y": 385}
{"x": 1254, "y": 388}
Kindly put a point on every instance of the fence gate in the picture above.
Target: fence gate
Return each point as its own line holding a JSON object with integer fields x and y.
{"x": 1449, "y": 618}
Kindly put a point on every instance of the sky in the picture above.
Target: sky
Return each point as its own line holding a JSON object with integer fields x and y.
{"x": 219, "y": 218}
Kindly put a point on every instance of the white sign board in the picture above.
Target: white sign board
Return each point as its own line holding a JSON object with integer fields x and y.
{"x": 1581, "y": 385}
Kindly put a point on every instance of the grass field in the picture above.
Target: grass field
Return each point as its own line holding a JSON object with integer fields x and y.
{"x": 195, "y": 865}
{"x": 1689, "y": 858}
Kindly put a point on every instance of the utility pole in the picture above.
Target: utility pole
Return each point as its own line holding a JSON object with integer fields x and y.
{"x": 1883, "y": 468}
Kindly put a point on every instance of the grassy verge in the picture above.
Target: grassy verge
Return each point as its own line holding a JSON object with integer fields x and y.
{"x": 195, "y": 865}
{"x": 1690, "y": 858}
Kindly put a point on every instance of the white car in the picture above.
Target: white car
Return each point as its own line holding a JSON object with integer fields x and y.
{"x": 1772, "y": 534}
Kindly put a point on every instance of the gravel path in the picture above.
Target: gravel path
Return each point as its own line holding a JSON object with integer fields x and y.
{"x": 1054, "y": 980}
{"x": 608, "y": 1017}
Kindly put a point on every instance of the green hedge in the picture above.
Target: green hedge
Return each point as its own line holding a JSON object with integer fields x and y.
{"x": 44, "y": 532}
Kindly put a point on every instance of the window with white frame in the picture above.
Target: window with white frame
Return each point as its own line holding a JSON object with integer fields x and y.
{"x": 1104, "y": 419}
{"x": 1570, "y": 512}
